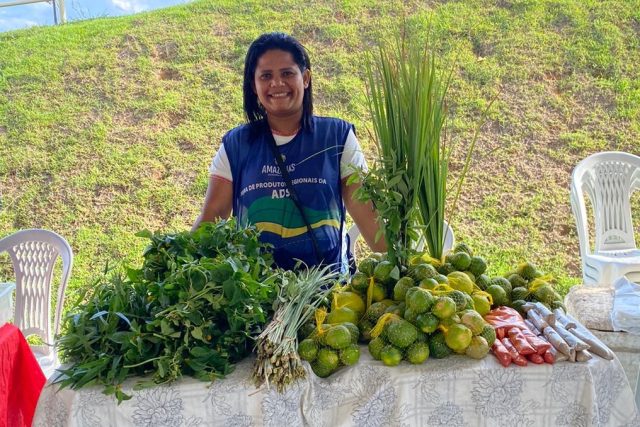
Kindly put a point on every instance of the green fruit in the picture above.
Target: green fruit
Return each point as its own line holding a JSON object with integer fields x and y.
{"x": 430, "y": 283}
{"x": 470, "y": 304}
{"x": 441, "y": 278}
{"x": 443, "y": 307}
{"x": 365, "y": 328}
{"x": 378, "y": 292}
{"x": 401, "y": 287}
{"x": 528, "y": 271}
{"x": 321, "y": 370}
{"x": 422, "y": 337}
{"x": 517, "y": 281}
{"x": 478, "y": 348}
{"x": 390, "y": 355}
{"x": 349, "y": 299}
{"x": 460, "y": 281}
{"x": 489, "y": 334}
{"x": 385, "y": 271}
{"x": 375, "y": 310}
{"x": 519, "y": 293}
{"x": 458, "y": 337}
{"x": 394, "y": 309}
{"x": 474, "y": 321}
{"x": 545, "y": 293}
{"x": 401, "y": 333}
{"x": 463, "y": 247}
{"x": 460, "y": 260}
{"x": 360, "y": 281}
{"x": 375, "y": 346}
{"x": 353, "y": 330}
{"x": 481, "y": 303}
{"x": 419, "y": 300}
{"x": 446, "y": 268}
{"x": 410, "y": 315}
{"x": 338, "y": 337}
{"x": 470, "y": 275}
{"x": 350, "y": 355}
{"x": 437, "y": 346}
{"x": 503, "y": 283}
{"x": 498, "y": 295}
{"x": 367, "y": 266}
{"x": 517, "y": 305}
{"x": 328, "y": 359}
{"x": 306, "y": 329}
{"x": 483, "y": 281}
{"x": 458, "y": 298}
{"x": 417, "y": 353}
{"x": 308, "y": 350}
{"x": 478, "y": 265}
{"x": 422, "y": 271}
{"x": 341, "y": 315}
{"x": 427, "y": 322}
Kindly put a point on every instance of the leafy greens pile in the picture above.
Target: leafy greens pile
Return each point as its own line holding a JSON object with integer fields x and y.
{"x": 193, "y": 308}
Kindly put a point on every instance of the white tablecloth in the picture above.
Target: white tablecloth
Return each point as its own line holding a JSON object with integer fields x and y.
{"x": 456, "y": 391}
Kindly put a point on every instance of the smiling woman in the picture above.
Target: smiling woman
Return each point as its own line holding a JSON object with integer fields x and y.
{"x": 286, "y": 170}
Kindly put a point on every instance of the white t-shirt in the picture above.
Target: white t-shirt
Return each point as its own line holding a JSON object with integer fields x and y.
{"x": 352, "y": 156}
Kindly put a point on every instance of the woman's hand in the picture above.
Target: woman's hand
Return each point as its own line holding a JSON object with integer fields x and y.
{"x": 364, "y": 215}
{"x": 217, "y": 202}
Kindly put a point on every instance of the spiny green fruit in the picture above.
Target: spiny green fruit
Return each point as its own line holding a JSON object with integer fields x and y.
{"x": 390, "y": 355}
{"x": 503, "y": 283}
{"x": 385, "y": 271}
{"x": 308, "y": 350}
{"x": 517, "y": 305}
{"x": 422, "y": 337}
{"x": 438, "y": 347}
{"x": 367, "y": 265}
{"x": 528, "y": 271}
{"x": 401, "y": 287}
{"x": 458, "y": 298}
{"x": 419, "y": 300}
{"x": 519, "y": 293}
{"x": 489, "y": 334}
{"x": 375, "y": 310}
{"x": 417, "y": 353}
{"x": 517, "y": 281}
{"x": 422, "y": 271}
{"x": 463, "y": 247}
{"x": 446, "y": 268}
{"x": 401, "y": 333}
{"x": 306, "y": 329}
{"x": 410, "y": 315}
{"x": 350, "y": 355}
{"x": 441, "y": 278}
{"x": 483, "y": 281}
{"x": 375, "y": 346}
{"x": 360, "y": 281}
{"x": 365, "y": 328}
{"x": 478, "y": 265}
{"x": 338, "y": 337}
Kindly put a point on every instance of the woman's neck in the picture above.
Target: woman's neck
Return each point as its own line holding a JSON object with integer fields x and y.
{"x": 285, "y": 125}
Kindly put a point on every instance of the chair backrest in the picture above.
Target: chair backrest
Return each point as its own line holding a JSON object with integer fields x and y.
{"x": 608, "y": 178}
{"x": 33, "y": 253}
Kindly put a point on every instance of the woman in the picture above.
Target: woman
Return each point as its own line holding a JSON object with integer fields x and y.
{"x": 301, "y": 211}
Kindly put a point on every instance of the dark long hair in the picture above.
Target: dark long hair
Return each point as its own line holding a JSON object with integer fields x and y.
{"x": 253, "y": 110}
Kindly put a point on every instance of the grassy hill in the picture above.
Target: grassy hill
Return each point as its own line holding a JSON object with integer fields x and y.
{"x": 107, "y": 126}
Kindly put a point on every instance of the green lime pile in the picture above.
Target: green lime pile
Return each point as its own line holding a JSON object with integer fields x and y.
{"x": 330, "y": 347}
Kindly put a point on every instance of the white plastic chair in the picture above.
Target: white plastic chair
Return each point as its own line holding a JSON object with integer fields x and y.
{"x": 608, "y": 179}
{"x": 33, "y": 254}
{"x": 449, "y": 238}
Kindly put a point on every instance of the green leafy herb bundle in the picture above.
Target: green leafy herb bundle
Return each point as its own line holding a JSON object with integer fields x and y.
{"x": 193, "y": 308}
{"x": 300, "y": 295}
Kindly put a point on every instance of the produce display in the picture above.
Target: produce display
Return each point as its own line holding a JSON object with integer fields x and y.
{"x": 193, "y": 308}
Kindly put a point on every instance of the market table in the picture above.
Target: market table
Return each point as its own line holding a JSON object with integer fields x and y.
{"x": 21, "y": 378}
{"x": 456, "y": 391}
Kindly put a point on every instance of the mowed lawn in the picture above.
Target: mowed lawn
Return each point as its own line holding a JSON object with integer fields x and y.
{"x": 107, "y": 126}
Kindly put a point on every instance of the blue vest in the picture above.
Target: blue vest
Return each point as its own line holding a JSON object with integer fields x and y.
{"x": 261, "y": 197}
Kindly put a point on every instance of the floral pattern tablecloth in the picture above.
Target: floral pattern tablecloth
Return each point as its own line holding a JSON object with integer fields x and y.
{"x": 452, "y": 392}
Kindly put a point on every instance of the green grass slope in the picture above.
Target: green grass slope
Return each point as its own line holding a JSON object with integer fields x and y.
{"x": 108, "y": 126}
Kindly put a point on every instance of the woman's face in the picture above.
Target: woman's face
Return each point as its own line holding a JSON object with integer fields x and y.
{"x": 279, "y": 83}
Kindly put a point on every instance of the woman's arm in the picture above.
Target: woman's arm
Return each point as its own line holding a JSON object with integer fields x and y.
{"x": 217, "y": 202}
{"x": 364, "y": 215}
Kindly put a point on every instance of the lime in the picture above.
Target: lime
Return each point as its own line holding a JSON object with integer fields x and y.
{"x": 327, "y": 358}
{"x": 338, "y": 337}
{"x": 489, "y": 334}
{"x": 367, "y": 265}
{"x": 473, "y": 320}
{"x": 419, "y": 300}
{"x": 437, "y": 347}
{"x": 478, "y": 348}
{"x": 481, "y": 303}
{"x": 378, "y": 292}
{"x": 444, "y": 307}
{"x": 498, "y": 294}
{"x": 321, "y": 370}
{"x": 401, "y": 287}
{"x": 417, "y": 353}
{"x": 401, "y": 333}
{"x": 390, "y": 355}
{"x": 359, "y": 281}
{"x": 458, "y": 337}
{"x": 349, "y": 299}
{"x": 429, "y": 283}
{"x": 353, "y": 330}
{"x": 341, "y": 315}
{"x": 308, "y": 350}
{"x": 350, "y": 355}
{"x": 427, "y": 322}
{"x": 478, "y": 265}
{"x": 375, "y": 346}
{"x": 460, "y": 281}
